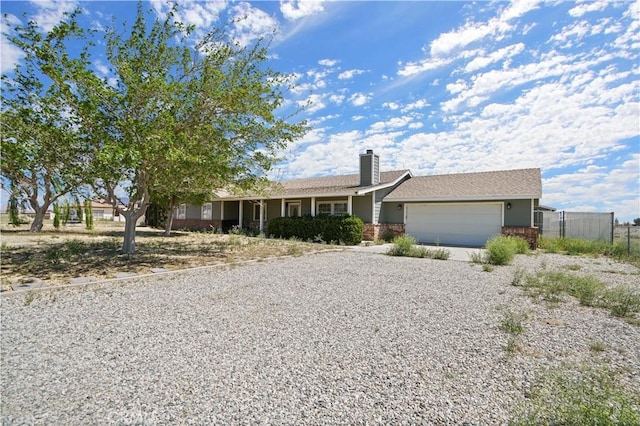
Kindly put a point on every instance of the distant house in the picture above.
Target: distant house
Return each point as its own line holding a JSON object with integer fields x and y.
{"x": 455, "y": 209}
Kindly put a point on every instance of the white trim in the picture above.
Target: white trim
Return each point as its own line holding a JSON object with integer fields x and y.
{"x": 181, "y": 211}
{"x": 384, "y": 185}
{"x": 532, "y": 214}
{"x": 261, "y": 205}
{"x": 291, "y": 203}
{"x": 333, "y": 203}
{"x": 313, "y": 206}
{"x": 283, "y": 204}
{"x": 350, "y": 205}
{"x": 240, "y": 213}
{"x": 374, "y": 220}
{"x": 210, "y": 204}
{"x": 221, "y": 210}
{"x": 262, "y": 210}
{"x": 456, "y": 200}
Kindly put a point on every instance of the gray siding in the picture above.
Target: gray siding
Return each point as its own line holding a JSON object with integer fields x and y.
{"x": 362, "y": 207}
{"x": 389, "y": 213}
{"x": 366, "y": 170}
{"x": 193, "y": 212}
{"x": 215, "y": 214}
{"x": 519, "y": 214}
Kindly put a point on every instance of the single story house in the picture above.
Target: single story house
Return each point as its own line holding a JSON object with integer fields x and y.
{"x": 455, "y": 209}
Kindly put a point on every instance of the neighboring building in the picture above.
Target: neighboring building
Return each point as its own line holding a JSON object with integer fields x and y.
{"x": 456, "y": 209}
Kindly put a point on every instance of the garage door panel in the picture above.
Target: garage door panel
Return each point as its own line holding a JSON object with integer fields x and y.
{"x": 457, "y": 224}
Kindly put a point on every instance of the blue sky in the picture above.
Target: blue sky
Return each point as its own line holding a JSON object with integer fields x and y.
{"x": 441, "y": 87}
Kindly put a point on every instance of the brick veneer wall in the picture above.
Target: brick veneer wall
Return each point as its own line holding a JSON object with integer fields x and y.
{"x": 529, "y": 233}
{"x": 374, "y": 231}
{"x": 196, "y": 224}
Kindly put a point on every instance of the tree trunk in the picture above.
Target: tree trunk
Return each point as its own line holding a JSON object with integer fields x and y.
{"x": 130, "y": 222}
{"x": 38, "y": 221}
{"x": 168, "y": 223}
{"x": 40, "y": 210}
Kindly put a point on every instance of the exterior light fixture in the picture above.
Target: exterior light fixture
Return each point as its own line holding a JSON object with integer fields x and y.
{"x": 508, "y": 206}
{"x": 399, "y": 206}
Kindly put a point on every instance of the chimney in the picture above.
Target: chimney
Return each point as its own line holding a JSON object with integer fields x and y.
{"x": 369, "y": 169}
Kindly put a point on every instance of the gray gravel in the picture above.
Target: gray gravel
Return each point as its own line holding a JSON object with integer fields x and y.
{"x": 332, "y": 338}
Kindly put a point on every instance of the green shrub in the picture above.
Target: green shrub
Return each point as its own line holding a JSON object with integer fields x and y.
{"x": 502, "y": 249}
{"x": 622, "y": 302}
{"x": 402, "y": 245}
{"x": 348, "y": 230}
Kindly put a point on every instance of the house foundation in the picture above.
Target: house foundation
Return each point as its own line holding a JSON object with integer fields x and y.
{"x": 529, "y": 233}
{"x": 374, "y": 231}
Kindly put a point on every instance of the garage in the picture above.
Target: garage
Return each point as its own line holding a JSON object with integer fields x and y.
{"x": 464, "y": 224}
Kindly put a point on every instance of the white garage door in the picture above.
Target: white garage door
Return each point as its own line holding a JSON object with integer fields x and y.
{"x": 470, "y": 224}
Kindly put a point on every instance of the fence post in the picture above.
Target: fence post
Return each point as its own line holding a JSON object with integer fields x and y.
{"x": 563, "y": 226}
{"x": 612, "y": 225}
{"x": 629, "y": 239}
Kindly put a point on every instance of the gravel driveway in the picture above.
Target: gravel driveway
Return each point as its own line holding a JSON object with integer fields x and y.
{"x": 332, "y": 338}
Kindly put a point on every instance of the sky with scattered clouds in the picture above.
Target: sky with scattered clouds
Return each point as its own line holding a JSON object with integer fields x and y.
{"x": 439, "y": 87}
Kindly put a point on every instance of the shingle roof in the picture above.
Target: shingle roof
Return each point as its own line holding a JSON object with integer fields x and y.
{"x": 523, "y": 183}
{"x": 319, "y": 186}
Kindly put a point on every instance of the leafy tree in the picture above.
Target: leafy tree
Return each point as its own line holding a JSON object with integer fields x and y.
{"x": 636, "y": 221}
{"x": 182, "y": 120}
{"x": 42, "y": 149}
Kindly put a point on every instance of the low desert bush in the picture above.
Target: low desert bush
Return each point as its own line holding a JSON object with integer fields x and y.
{"x": 501, "y": 249}
{"x": 405, "y": 245}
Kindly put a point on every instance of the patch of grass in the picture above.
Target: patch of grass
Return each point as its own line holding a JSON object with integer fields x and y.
{"x": 577, "y": 246}
{"x": 477, "y": 257}
{"x": 512, "y": 323}
{"x": 501, "y": 249}
{"x": 487, "y": 267}
{"x": 597, "y": 347}
{"x": 585, "y": 395}
{"x": 573, "y": 267}
{"x": 621, "y": 301}
{"x": 406, "y": 246}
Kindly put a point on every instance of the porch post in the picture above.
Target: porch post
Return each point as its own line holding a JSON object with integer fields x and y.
{"x": 221, "y": 210}
{"x": 313, "y": 206}
{"x": 533, "y": 222}
{"x": 349, "y": 204}
{"x": 240, "y": 214}
{"x": 282, "y": 208}
{"x": 261, "y": 215}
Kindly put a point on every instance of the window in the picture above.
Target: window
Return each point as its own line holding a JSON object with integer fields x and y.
{"x": 333, "y": 208}
{"x": 181, "y": 212}
{"x": 256, "y": 211}
{"x": 207, "y": 209}
{"x": 293, "y": 208}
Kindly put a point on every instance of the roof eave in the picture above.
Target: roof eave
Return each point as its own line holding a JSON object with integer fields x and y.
{"x": 384, "y": 185}
{"x": 474, "y": 198}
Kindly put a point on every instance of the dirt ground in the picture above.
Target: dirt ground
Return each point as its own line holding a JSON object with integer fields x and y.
{"x": 54, "y": 257}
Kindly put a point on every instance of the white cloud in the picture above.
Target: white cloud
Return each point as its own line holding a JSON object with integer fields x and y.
{"x": 359, "y": 99}
{"x": 315, "y": 102}
{"x": 336, "y": 99}
{"x": 201, "y": 14}
{"x": 11, "y": 54}
{"x": 472, "y": 32}
{"x": 591, "y": 6}
{"x": 411, "y": 68}
{"x": 419, "y": 104}
{"x": 328, "y": 62}
{"x": 50, "y": 13}
{"x": 391, "y": 105}
{"x": 296, "y": 9}
{"x": 251, "y": 23}
{"x": 499, "y": 55}
{"x": 393, "y": 123}
{"x": 346, "y": 75}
